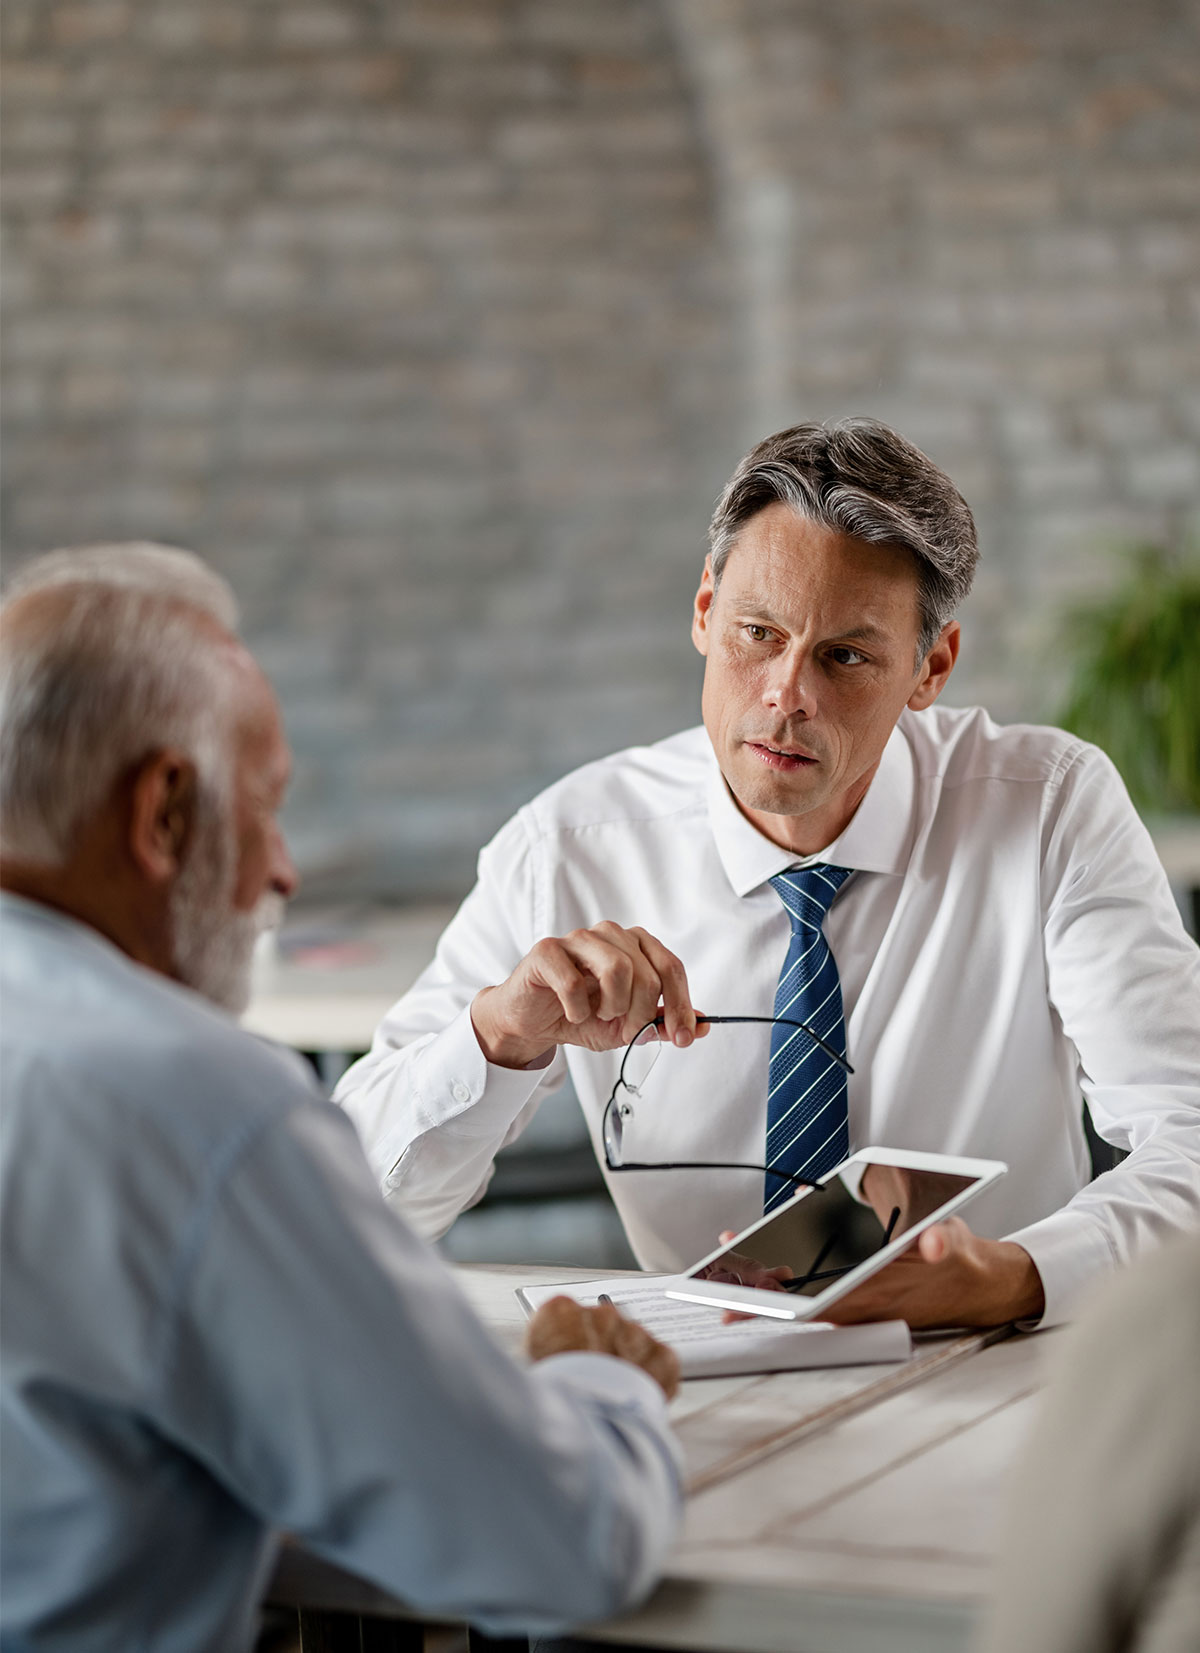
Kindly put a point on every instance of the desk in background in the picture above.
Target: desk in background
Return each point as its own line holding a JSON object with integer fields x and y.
{"x": 873, "y": 1532}
{"x": 326, "y": 982}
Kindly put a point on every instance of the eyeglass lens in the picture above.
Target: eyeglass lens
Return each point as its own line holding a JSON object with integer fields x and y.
{"x": 636, "y": 1067}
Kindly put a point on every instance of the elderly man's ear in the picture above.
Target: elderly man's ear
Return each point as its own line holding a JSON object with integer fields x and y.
{"x": 162, "y": 815}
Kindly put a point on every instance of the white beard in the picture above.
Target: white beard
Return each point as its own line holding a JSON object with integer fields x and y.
{"x": 213, "y": 941}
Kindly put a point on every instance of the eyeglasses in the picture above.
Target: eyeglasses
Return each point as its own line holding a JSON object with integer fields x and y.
{"x": 816, "y": 1272}
{"x": 636, "y": 1066}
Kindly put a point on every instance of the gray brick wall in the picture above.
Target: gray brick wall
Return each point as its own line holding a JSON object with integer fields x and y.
{"x": 437, "y": 324}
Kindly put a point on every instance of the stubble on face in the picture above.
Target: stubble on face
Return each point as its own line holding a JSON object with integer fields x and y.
{"x": 213, "y": 941}
{"x": 232, "y": 888}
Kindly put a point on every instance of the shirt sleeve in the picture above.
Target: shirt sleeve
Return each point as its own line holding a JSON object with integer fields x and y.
{"x": 327, "y": 1368}
{"x": 1124, "y": 978}
{"x": 431, "y": 1111}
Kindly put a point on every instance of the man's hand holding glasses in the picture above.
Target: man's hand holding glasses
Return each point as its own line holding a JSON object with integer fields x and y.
{"x": 607, "y": 987}
{"x": 595, "y": 988}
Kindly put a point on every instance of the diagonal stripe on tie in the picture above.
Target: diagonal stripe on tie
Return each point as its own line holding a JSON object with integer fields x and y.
{"x": 807, "y": 1123}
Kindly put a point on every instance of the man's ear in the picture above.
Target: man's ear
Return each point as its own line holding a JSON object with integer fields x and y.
{"x": 162, "y": 814}
{"x": 936, "y": 667}
{"x": 702, "y": 607}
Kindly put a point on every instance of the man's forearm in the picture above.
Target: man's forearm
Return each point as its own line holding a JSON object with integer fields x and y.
{"x": 406, "y": 1104}
{"x": 950, "y": 1277}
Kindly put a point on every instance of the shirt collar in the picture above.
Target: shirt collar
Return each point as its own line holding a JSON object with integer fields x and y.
{"x": 24, "y": 910}
{"x": 877, "y": 839}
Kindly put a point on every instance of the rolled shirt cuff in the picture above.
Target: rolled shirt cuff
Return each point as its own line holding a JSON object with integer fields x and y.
{"x": 1069, "y": 1253}
{"x": 621, "y": 1386}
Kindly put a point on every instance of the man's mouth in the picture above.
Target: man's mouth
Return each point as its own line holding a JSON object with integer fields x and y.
{"x": 785, "y": 758}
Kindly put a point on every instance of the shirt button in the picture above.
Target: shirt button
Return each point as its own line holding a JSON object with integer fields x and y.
{"x": 459, "y": 1092}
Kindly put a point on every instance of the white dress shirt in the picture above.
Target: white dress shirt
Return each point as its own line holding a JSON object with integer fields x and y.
{"x": 1007, "y": 946}
{"x": 214, "y": 1330}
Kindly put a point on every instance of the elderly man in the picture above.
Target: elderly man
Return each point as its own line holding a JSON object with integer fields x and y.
{"x": 975, "y": 915}
{"x": 213, "y": 1328}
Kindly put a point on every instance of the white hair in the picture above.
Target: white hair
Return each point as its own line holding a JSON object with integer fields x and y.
{"x": 116, "y": 654}
{"x": 134, "y": 565}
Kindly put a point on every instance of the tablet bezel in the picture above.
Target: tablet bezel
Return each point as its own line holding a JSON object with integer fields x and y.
{"x": 780, "y": 1305}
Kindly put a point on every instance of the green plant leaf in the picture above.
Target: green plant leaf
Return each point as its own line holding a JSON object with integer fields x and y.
{"x": 1135, "y": 683}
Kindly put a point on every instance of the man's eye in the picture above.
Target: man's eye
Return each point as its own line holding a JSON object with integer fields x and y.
{"x": 756, "y": 634}
{"x": 845, "y": 656}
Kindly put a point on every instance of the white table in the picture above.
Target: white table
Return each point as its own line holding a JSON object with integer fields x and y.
{"x": 327, "y": 982}
{"x": 873, "y": 1532}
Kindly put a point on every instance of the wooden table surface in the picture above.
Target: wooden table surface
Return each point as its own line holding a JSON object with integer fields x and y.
{"x": 841, "y": 1511}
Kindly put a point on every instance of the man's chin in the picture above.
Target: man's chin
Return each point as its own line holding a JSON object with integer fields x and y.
{"x": 217, "y": 962}
{"x": 224, "y": 982}
{"x": 768, "y": 792}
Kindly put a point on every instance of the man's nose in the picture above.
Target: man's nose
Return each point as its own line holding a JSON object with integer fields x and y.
{"x": 789, "y": 687}
{"x": 285, "y": 880}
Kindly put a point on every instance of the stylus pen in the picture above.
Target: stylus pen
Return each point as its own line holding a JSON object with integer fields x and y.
{"x": 605, "y": 1298}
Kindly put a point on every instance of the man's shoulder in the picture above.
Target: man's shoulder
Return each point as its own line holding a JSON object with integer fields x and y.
{"x": 94, "y": 1035}
{"x": 962, "y": 745}
{"x": 636, "y": 786}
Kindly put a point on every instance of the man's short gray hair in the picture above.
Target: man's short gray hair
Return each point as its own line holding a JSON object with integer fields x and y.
{"x": 134, "y": 565}
{"x": 858, "y": 477}
{"x": 111, "y": 658}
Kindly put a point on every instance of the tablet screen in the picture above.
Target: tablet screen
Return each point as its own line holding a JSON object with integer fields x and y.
{"x": 827, "y": 1233}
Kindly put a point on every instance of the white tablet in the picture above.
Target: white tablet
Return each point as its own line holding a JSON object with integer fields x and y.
{"x": 832, "y": 1237}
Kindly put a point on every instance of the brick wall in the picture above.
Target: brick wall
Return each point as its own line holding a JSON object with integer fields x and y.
{"x": 437, "y": 324}
{"x": 982, "y": 223}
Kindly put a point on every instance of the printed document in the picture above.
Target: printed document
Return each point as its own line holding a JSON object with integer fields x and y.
{"x": 707, "y": 1348}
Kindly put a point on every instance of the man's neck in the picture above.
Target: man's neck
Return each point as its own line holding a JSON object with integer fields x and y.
{"x": 810, "y": 833}
{"x": 81, "y": 893}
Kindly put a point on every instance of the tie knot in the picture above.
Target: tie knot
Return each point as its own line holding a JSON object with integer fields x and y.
{"x": 808, "y": 892}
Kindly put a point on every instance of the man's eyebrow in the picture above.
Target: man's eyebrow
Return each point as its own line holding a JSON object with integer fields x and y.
{"x": 866, "y": 633}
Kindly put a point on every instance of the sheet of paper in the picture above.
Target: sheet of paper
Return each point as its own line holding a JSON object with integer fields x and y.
{"x": 707, "y": 1347}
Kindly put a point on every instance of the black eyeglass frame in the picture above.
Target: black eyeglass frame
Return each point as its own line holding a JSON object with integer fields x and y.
{"x": 816, "y": 1272}
{"x": 706, "y": 1164}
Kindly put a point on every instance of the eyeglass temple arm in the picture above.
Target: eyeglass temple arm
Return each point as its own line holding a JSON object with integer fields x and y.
{"x": 814, "y": 1271}
{"x": 782, "y": 1021}
{"x": 710, "y": 1165}
{"x": 836, "y": 1273}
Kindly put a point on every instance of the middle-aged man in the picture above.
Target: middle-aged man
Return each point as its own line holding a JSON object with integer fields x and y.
{"x": 974, "y": 914}
{"x": 213, "y": 1329}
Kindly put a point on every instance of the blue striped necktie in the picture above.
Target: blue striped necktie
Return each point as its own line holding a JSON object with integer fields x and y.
{"x": 808, "y": 1129}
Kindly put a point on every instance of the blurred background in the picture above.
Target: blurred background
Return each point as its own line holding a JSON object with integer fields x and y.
{"x": 437, "y": 326}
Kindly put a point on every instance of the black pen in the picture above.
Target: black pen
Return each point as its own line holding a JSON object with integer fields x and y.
{"x": 605, "y": 1298}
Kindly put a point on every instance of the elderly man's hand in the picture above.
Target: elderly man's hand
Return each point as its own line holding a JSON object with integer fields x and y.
{"x": 593, "y": 988}
{"x": 948, "y": 1277}
{"x": 562, "y": 1325}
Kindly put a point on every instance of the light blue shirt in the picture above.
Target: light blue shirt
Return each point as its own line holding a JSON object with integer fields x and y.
{"x": 214, "y": 1331}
